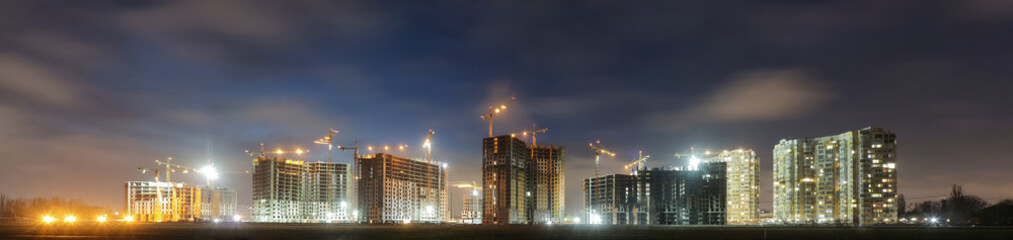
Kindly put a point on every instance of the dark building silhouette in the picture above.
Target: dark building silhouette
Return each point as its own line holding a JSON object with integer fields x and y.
{"x": 657, "y": 196}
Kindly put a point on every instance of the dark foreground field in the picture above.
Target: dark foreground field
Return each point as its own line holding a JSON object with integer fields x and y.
{"x": 458, "y": 232}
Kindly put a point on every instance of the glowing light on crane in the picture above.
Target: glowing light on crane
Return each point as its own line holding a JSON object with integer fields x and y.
{"x": 209, "y": 172}
{"x": 493, "y": 110}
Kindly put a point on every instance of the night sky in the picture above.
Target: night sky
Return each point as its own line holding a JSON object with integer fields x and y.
{"x": 90, "y": 91}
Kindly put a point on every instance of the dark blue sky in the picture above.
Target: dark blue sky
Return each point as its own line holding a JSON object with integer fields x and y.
{"x": 90, "y": 91}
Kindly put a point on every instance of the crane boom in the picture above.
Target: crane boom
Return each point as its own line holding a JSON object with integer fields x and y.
{"x": 640, "y": 162}
{"x": 598, "y": 150}
{"x": 534, "y": 134}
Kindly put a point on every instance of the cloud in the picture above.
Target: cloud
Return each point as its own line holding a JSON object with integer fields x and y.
{"x": 26, "y": 78}
{"x": 752, "y": 96}
{"x": 248, "y": 31}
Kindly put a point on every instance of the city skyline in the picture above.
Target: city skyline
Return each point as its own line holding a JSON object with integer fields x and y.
{"x": 89, "y": 92}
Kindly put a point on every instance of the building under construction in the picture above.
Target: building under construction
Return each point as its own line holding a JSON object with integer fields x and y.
{"x": 287, "y": 190}
{"x": 218, "y": 204}
{"x": 149, "y": 201}
{"x": 692, "y": 196}
{"x": 394, "y": 189}
{"x": 521, "y": 184}
{"x": 471, "y": 210}
{"x": 546, "y": 183}
{"x": 504, "y": 180}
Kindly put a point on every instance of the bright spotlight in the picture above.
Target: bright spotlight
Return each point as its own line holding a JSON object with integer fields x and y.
{"x": 128, "y": 218}
{"x": 210, "y": 172}
{"x": 48, "y": 219}
{"x": 236, "y": 218}
{"x": 70, "y": 219}
{"x": 101, "y": 219}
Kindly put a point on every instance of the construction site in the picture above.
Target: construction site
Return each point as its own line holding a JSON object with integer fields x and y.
{"x": 168, "y": 201}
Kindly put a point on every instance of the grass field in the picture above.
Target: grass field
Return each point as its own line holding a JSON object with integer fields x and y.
{"x": 459, "y": 232}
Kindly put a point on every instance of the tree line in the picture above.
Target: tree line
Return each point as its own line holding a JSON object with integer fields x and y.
{"x": 13, "y": 209}
{"x": 959, "y": 209}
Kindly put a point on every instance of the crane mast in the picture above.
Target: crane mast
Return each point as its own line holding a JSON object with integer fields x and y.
{"x": 598, "y": 151}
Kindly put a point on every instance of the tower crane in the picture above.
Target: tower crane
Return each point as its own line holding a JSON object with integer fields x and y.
{"x": 429, "y": 146}
{"x": 640, "y": 163}
{"x": 262, "y": 153}
{"x": 493, "y": 110}
{"x": 693, "y": 161}
{"x": 209, "y": 171}
{"x": 429, "y": 171}
{"x": 329, "y": 141}
{"x": 534, "y": 134}
{"x": 356, "y": 148}
{"x": 599, "y": 150}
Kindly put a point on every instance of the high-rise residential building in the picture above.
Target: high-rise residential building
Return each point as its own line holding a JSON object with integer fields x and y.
{"x": 690, "y": 196}
{"x": 396, "y": 189}
{"x": 149, "y": 201}
{"x": 743, "y": 187}
{"x": 471, "y": 212}
{"x": 546, "y": 183}
{"x": 287, "y": 190}
{"x": 849, "y": 178}
{"x": 504, "y": 180}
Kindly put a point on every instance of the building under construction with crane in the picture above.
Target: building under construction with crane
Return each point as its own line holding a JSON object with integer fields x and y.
{"x": 393, "y": 189}
{"x": 521, "y": 183}
{"x": 168, "y": 201}
{"x": 150, "y": 201}
{"x": 288, "y": 190}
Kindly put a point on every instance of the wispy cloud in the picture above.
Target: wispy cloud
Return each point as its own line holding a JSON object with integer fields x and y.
{"x": 28, "y": 79}
{"x": 752, "y": 96}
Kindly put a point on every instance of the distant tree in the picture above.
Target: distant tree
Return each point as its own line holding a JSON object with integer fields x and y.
{"x": 901, "y": 206}
{"x": 961, "y": 208}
